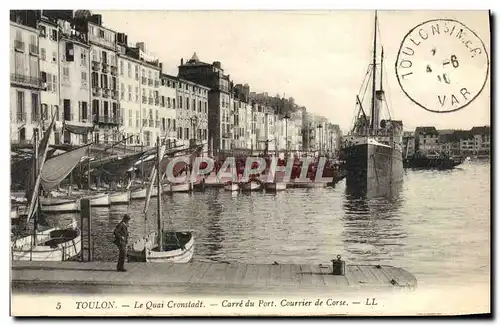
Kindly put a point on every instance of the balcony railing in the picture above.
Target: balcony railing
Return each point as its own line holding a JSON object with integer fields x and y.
{"x": 19, "y": 45}
{"x": 96, "y": 65}
{"x": 144, "y": 99}
{"x": 114, "y": 70}
{"x": 20, "y": 117}
{"x": 144, "y": 80}
{"x": 150, "y": 100}
{"x": 26, "y": 80}
{"x": 108, "y": 119}
{"x": 85, "y": 119}
{"x": 33, "y": 49}
{"x": 226, "y": 134}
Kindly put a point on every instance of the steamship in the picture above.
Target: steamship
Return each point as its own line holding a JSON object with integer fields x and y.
{"x": 372, "y": 151}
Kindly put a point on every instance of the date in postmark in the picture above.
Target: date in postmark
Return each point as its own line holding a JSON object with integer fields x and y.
{"x": 442, "y": 65}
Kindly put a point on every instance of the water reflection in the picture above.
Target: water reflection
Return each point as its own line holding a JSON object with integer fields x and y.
{"x": 373, "y": 229}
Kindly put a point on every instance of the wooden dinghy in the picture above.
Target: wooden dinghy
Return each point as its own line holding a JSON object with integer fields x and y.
{"x": 55, "y": 244}
{"x": 119, "y": 198}
{"x": 250, "y": 186}
{"x": 275, "y": 186}
{"x": 178, "y": 247}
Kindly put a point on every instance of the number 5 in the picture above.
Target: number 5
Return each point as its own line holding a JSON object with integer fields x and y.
{"x": 58, "y": 306}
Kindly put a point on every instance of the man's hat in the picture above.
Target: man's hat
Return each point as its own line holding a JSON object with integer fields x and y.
{"x": 126, "y": 217}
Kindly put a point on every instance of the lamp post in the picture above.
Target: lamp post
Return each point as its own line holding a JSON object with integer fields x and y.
{"x": 286, "y": 117}
{"x": 194, "y": 123}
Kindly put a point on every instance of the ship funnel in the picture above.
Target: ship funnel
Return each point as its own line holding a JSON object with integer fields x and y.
{"x": 379, "y": 101}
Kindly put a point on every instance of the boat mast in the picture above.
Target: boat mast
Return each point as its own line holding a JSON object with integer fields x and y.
{"x": 158, "y": 180}
{"x": 374, "y": 74}
{"x": 35, "y": 176}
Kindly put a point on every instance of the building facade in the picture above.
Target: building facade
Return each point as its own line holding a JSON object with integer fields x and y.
{"x": 25, "y": 81}
{"x": 168, "y": 115}
{"x": 426, "y": 139}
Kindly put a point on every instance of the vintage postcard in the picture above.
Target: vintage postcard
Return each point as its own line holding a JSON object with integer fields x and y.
{"x": 250, "y": 163}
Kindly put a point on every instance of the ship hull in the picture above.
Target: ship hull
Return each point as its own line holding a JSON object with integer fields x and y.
{"x": 372, "y": 169}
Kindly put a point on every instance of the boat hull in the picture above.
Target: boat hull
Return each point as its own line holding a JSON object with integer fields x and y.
{"x": 250, "y": 186}
{"x": 180, "y": 187}
{"x": 275, "y": 186}
{"x": 49, "y": 247}
{"x": 146, "y": 250}
{"x": 372, "y": 169}
{"x": 119, "y": 198}
{"x": 232, "y": 187}
{"x": 99, "y": 200}
{"x": 59, "y": 205}
{"x": 141, "y": 193}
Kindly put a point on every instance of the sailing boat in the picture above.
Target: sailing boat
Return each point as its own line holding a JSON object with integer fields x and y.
{"x": 373, "y": 149}
{"x": 55, "y": 244}
{"x": 161, "y": 245}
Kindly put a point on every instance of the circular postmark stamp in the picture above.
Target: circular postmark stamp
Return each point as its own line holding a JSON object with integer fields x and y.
{"x": 442, "y": 65}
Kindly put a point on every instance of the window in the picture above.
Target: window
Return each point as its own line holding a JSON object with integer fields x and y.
{"x": 122, "y": 91}
{"x": 194, "y": 105}
{"x": 53, "y": 36}
{"x": 137, "y": 119}
{"x": 95, "y": 79}
{"x": 20, "y": 102}
{"x": 136, "y": 93}
{"x": 187, "y": 103}
{"x": 66, "y": 73}
{"x": 122, "y": 67}
{"x": 168, "y": 102}
{"x": 130, "y": 93}
{"x": 186, "y": 133}
{"x": 206, "y": 109}
{"x": 130, "y": 118}
{"x": 54, "y": 83}
{"x": 83, "y": 58}
{"x": 179, "y": 133}
{"x": 199, "y": 106}
{"x": 173, "y": 103}
{"x": 54, "y": 57}
{"x": 43, "y": 55}
{"x": 136, "y": 72}
{"x": 84, "y": 78}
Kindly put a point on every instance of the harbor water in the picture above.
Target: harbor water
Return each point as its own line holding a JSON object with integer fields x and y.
{"x": 437, "y": 225}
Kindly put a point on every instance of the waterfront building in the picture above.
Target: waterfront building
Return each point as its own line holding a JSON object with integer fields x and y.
{"x": 73, "y": 63}
{"x": 104, "y": 82}
{"x": 220, "y": 119}
{"x": 25, "y": 81}
{"x": 408, "y": 143}
{"x": 48, "y": 48}
{"x": 192, "y": 113}
{"x": 426, "y": 139}
{"x": 481, "y": 140}
{"x": 168, "y": 97}
{"x": 243, "y": 133}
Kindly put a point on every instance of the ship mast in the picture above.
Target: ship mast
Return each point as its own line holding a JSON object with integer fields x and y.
{"x": 374, "y": 74}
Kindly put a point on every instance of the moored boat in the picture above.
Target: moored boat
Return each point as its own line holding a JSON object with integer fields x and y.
{"x": 59, "y": 204}
{"x": 231, "y": 186}
{"x": 275, "y": 186}
{"x": 55, "y": 244}
{"x": 98, "y": 200}
{"x": 177, "y": 247}
{"x": 180, "y": 187}
{"x": 250, "y": 186}
{"x": 119, "y": 197}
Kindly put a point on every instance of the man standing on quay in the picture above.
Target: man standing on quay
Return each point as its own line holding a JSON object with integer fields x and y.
{"x": 121, "y": 240}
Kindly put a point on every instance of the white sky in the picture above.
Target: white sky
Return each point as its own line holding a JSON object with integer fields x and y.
{"x": 317, "y": 57}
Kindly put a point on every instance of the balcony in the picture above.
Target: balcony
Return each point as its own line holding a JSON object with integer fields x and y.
{"x": 150, "y": 101}
{"x": 19, "y": 45}
{"x": 150, "y": 82}
{"x": 33, "y": 49}
{"x": 114, "y": 70}
{"x": 106, "y": 92}
{"x": 96, "y": 65}
{"x": 21, "y": 117}
{"x": 105, "y": 67}
{"x": 85, "y": 119}
{"x": 108, "y": 120}
{"x": 96, "y": 91}
{"x": 114, "y": 95}
{"x": 144, "y": 80}
{"x": 144, "y": 99}
{"x": 26, "y": 80}
{"x": 226, "y": 135}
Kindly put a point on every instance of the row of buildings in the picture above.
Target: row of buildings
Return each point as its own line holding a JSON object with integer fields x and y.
{"x": 475, "y": 141}
{"x": 103, "y": 89}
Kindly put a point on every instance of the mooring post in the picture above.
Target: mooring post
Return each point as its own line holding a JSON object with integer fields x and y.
{"x": 338, "y": 266}
{"x": 85, "y": 213}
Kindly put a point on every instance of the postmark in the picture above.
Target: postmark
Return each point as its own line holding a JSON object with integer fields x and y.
{"x": 442, "y": 65}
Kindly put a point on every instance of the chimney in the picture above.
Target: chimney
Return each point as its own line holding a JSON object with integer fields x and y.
{"x": 141, "y": 46}
{"x": 182, "y": 61}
